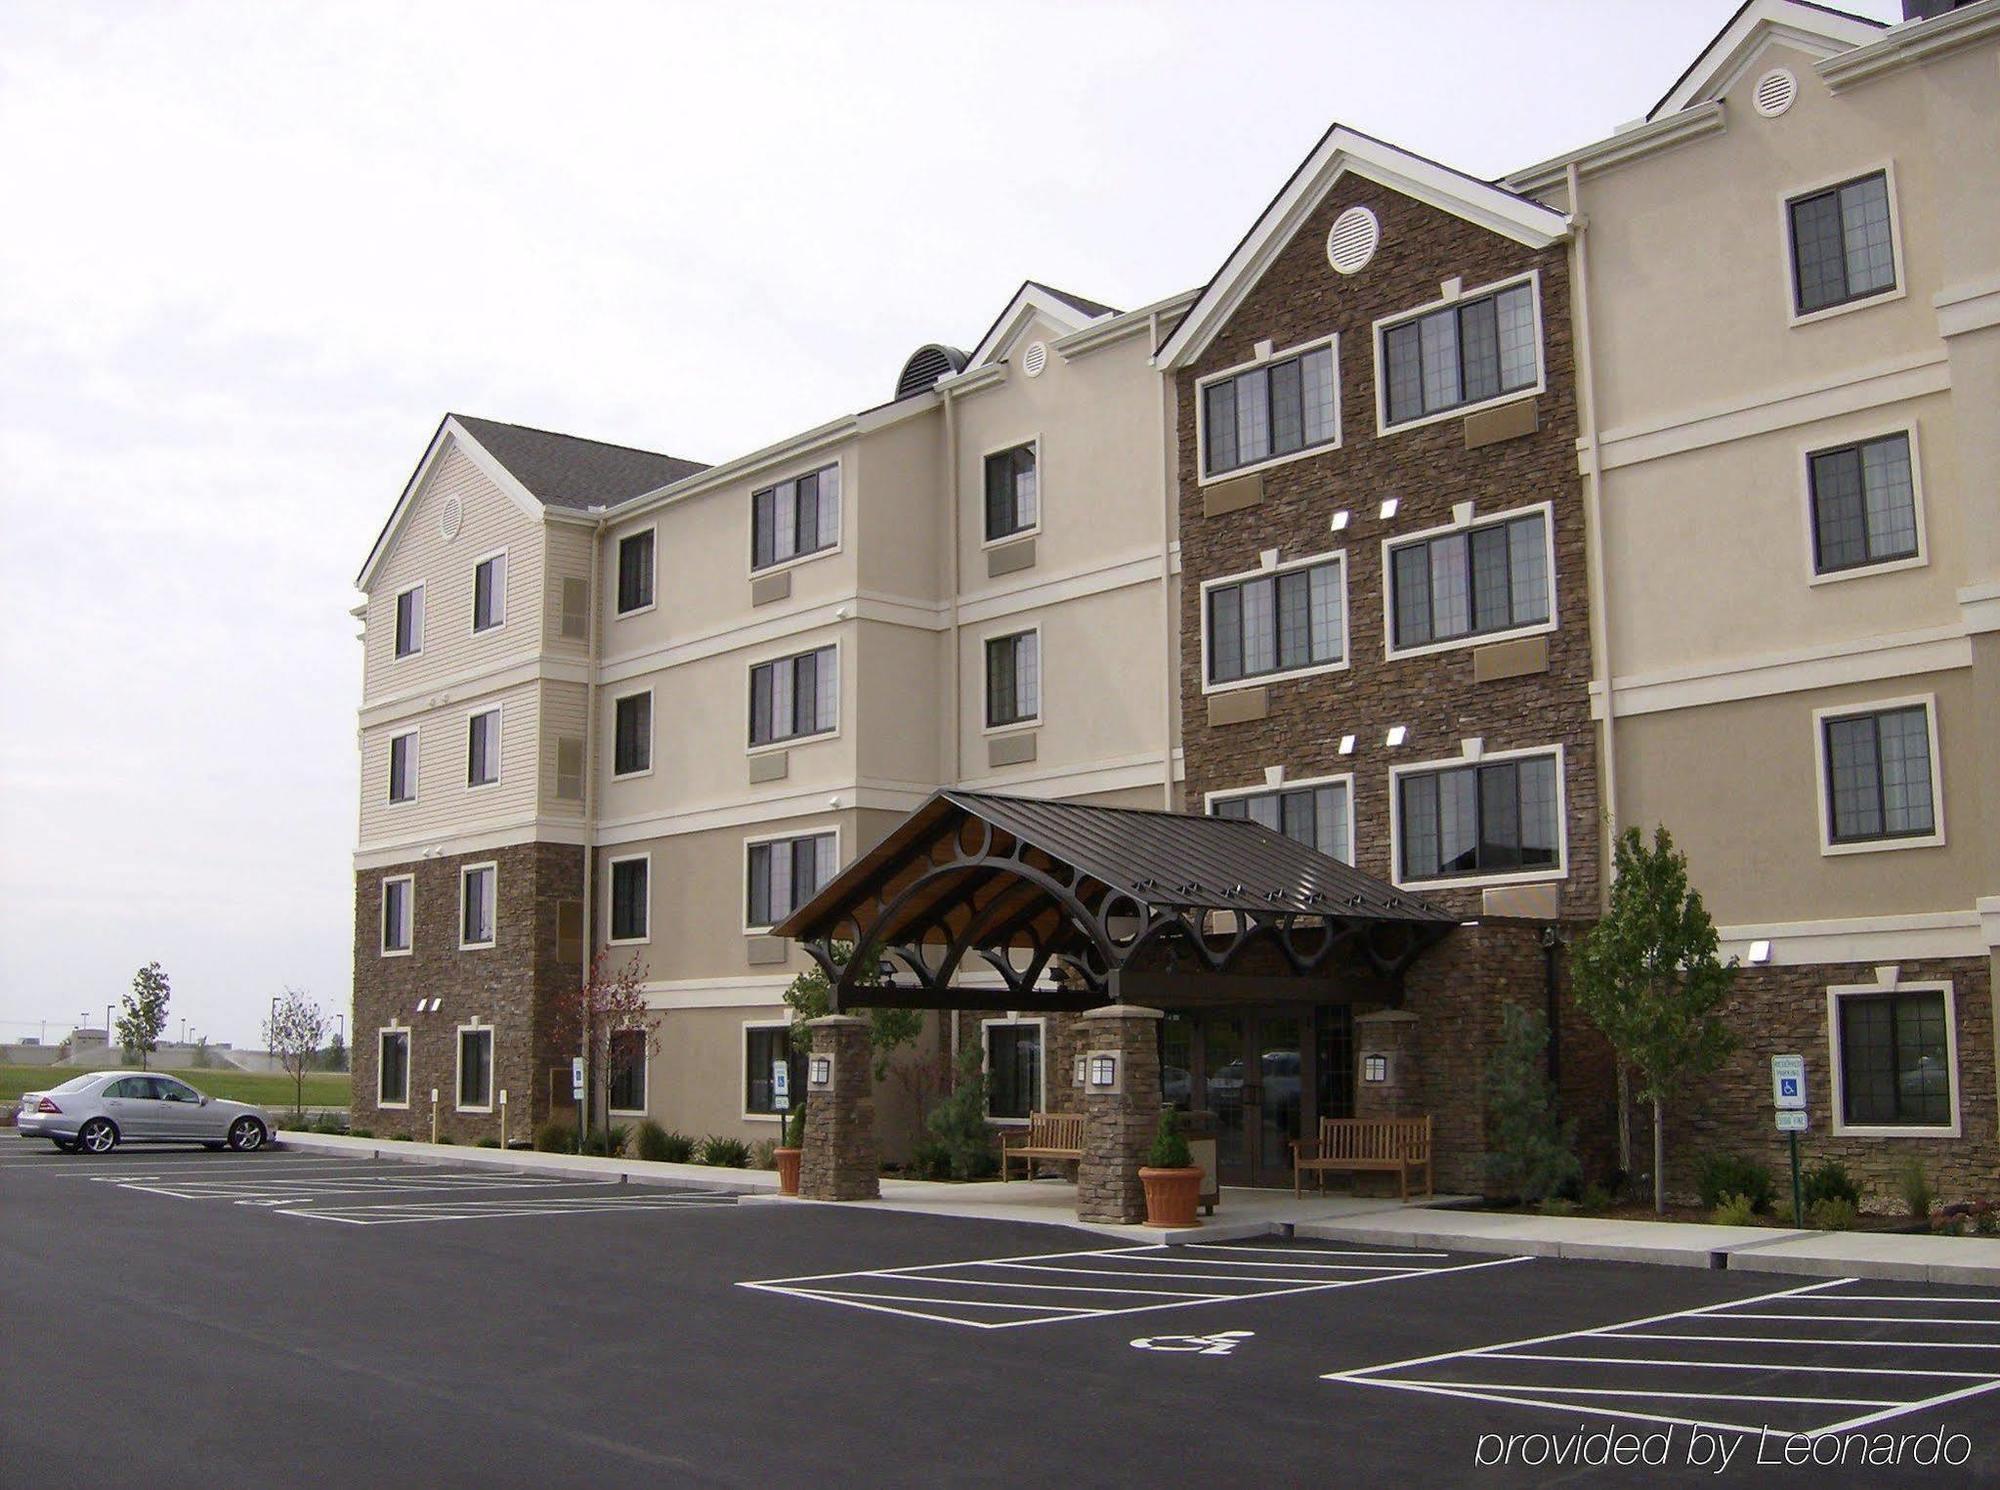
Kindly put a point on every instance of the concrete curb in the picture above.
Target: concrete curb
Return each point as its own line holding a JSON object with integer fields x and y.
{"x": 574, "y": 1166}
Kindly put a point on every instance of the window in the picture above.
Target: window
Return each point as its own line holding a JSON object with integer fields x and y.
{"x": 475, "y": 1068}
{"x": 397, "y": 907}
{"x": 635, "y": 572}
{"x": 785, "y": 873}
{"x": 1013, "y": 679}
{"x": 403, "y": 767}
{"x": 766, "y": 1045}
{"x": 1472, "y": 582}
{"x": 630, "y": 903}
{"x": 1278, "y": 622}
{"x": 1014, "y": 1070}
{"x": 392, "y": 1069}
{"x": 632, "y": 743}
{"x": 489, "y": 593}
{"x": 795, "y": 518}
{"x": 628, "y": 1071}
{"x": 1475, "y": 350}
{"x": 1316, "y": 816}
{"x": 476, "y": 886}
{"x": 1879, "y": 776}
{"x": 482, "y": 749}
{"x": 1864, "y": 504}
{"x": 1498, "y": 817}
{"x": 1275, "y": 409}
{"x": 1843, "y": 248}
{"x": 795, "y": 696}
{"x": 410, "y": 622}
{"x": 1895, "y": 1059}
{"x": 1010, "y": 492}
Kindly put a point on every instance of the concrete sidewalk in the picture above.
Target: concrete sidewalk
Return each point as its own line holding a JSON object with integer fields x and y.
{"x": 575, "y": 1166}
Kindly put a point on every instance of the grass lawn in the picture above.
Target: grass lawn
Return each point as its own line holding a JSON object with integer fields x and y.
{"x": 323, "y": 1088}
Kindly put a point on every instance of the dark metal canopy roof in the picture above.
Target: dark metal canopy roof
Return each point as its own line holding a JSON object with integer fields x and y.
{"x": 1092, "y": 894}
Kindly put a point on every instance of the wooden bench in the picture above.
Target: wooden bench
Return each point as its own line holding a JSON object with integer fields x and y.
{"x": 1049, "y": 1135}
{"x": 1386, "y": 1145}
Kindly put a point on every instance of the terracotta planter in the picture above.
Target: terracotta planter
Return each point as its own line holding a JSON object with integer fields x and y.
{"x": 1171, "y": 1196}
{"x": 788, "y": 1170}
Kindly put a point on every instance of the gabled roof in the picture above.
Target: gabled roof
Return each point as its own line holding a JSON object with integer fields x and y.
{"x": 1059, "y": 307}
{"x": 1818, "y": 29}
{"x": 1342, "y": 150}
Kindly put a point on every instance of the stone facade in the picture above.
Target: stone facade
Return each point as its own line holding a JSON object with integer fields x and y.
{"x": 1119, "y": 1124}
{"x": 840, "y": 1161}
{"x": 508, "y": 986}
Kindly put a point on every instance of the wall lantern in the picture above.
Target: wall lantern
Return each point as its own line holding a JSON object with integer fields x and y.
{"x": 1081, "y": 1062}
{"x": 821, "y": 1072}
{"x": 1104, "y": 1070}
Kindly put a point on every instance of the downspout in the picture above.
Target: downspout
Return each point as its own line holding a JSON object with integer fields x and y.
{"x": 953, "y": 759}
{"x": 1169, "y": 530}
{"x": 590, "y": 798}
{"x": 1593, "y": 514}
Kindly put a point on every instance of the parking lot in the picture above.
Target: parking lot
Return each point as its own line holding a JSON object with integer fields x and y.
{"x": 292, "y": 1319}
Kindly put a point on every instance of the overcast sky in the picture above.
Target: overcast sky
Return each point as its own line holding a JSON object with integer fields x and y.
{"x": 254, "y": 251}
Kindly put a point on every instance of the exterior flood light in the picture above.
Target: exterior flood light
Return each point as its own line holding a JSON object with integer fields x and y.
{"x": 1347, "y": 744}
{"x": 1389, "y": 505}
{"x": 1340, "y": 520}
{"x": 1397, "y": 735}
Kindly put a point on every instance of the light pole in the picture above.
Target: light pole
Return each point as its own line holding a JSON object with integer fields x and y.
{"x": 107, "y": 1026}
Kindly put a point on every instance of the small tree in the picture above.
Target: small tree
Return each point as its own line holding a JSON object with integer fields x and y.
{"x": 336, "y": 1052}
{"x": 583, "y": 1017}
{"x": 145, "y": 1014}
{"x": 203, "y": 1058}
{"x": 1529, "y": 1153}
{"x": 293, "y": 1032}
{"x": 1648, "y": 976}
{"x": 810, "y": 996}
{"x": 958, "y": 1123}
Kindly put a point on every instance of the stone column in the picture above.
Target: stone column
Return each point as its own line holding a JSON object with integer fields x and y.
{"x": 1121, "y": 1110}
{"x": 840, "y": 1161}
{"x": 1389, "y": 1037}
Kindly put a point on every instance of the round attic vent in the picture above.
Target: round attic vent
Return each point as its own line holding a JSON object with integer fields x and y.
{"x": 1035, "y": 359}
{"x": 1775, "y": 92}
{"x": 451, "y": 517}
{"x": 1353, "y": 240}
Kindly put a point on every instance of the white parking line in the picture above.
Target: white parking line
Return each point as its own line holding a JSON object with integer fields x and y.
{"x": 1139, "y": 1271}
{"x": 405, "y": 1212}
{"x": 1668, "y": 1387}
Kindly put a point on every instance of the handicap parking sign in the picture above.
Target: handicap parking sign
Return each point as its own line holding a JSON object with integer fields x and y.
{"x": 1788, "y": 1082}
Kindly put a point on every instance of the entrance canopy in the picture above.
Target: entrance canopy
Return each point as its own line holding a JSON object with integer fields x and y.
{"x": 1114, "y": 903}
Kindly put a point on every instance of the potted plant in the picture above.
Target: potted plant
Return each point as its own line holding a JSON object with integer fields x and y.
{"x": 1173, "y": 1183}
{"x": 787, "y": 1154}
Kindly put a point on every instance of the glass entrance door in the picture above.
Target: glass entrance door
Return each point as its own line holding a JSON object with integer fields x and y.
{"x": 1254, "y": 1070}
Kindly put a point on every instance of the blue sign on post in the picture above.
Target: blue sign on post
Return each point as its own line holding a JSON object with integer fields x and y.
{"x": 781, "y": 1086}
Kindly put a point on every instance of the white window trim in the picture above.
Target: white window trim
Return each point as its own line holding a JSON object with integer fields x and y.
{"x": 410, "y": 909}
{"x": 1920, "y": 559}
{"x": 1019, "y": 726}
{"x": 1933, "y": 839}
{"x": 499, "y": 736}
{"x": 1532, "y": 277}
{"x": 645, "y": 1071}
{"x": 617, "y": 563}
{"x": 795, "y": 833}
{"x": 1393, "y": 653}
{"x": 743, "y": 1071}
{"x": 761, "y": 483}
{"x": 395, "y": 629}
{"x": 1041, "y": 1062}
{"x": 1035, "y": 442}
{"x": 652, "y": 736}
{"x": 409, "y": 1044}
{"x": 1787, "y": 280}
{"x": 1298, "y": 349}
{"x": 840, "y": 698}
{"x": 415, "y": 736}
{"x": 1335, "y": 556}
{"x": 1892, "y": 1130}
{"x": 1480, "y": 881}
{"x": 458, "y": 1067}
{"x": 610, "y": 879}
{"x": 463, "y": 871}
{"x": 472, "y": 609}
{"x": 1343, "y": 779}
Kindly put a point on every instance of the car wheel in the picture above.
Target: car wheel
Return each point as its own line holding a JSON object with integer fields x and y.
{"x": 97, "y": 1136}
{"x": 67, "y": 1145}
{"x": 246, "y": 1134}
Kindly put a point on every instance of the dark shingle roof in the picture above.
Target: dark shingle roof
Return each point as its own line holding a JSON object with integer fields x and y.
{"x": 567, "y": 471}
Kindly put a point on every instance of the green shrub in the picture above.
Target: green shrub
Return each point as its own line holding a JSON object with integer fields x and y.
{"x": 930, "y": 1159}
{"x": 489, "y": 1143}
{"x": 958, "y": 1123}
{"x": 677, "y": 1149}
{"x": 650, "y": 1142}
{"x": 607, "y": 1143}
{"x": 1169, "y": 1150}
{"x": 444, "y": 1138}
{"x": 1830, "y": 1181}
{"x": 360, "y": 1132}
{"x": 1555, "y": 1205}
{"x": 765, "y": 1154}
{"x": 1735, "y": 1210}
{"x": 1594, "y": 1198}
{"x": 402, "y": 1137}
{"x": 555, "y": 1138}
{"x": 1833, "y": 1213}
{"x": 795, "y": 1127}
{"x": 724, "y": 1153}
{"x": 1985, "y": 1220}
{"x": 1720, "y": 1176}
{"x": 1531, "y": 1154}
{"x": 1918, "y": 1196}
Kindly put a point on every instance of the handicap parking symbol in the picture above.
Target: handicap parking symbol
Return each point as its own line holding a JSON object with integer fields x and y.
{"x": 1789, "y": 1087}
{"x": 1220, "y": 1343}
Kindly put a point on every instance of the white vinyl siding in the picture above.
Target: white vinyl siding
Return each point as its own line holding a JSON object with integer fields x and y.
{"x": 445, "y": 805}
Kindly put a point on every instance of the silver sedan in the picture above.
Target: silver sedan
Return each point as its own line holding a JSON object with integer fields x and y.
{"x": 99, "y": 1111}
